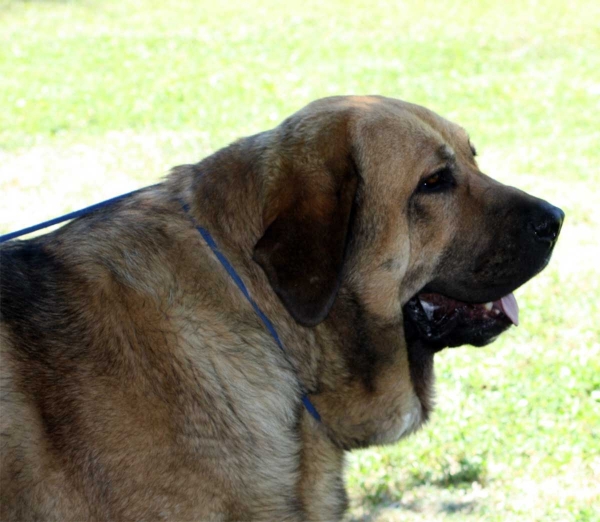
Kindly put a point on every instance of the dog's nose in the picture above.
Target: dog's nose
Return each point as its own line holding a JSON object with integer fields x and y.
{"x": 546, "y": 223}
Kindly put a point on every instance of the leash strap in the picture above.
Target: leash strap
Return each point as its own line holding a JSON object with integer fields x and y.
{"x": 66, "y": 217}
{"x": 240, "y": 284}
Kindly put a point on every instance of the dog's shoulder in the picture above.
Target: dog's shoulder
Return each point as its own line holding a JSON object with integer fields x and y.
{"x": 122, "y": 332}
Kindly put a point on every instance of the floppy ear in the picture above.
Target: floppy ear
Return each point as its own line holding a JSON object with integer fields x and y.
{"x": 302, "y": 251}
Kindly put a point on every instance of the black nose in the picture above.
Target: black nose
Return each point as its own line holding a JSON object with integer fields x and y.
{"x": 546, "y": 223}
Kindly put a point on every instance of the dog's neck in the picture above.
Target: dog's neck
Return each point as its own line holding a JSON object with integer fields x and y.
{"x": 225, "y": 194}
{"x": 364, "y": 399}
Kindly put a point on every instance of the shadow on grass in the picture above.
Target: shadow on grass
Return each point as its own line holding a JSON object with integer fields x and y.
{"x": 458, "y": 507}
{"x": 463, "y": 472}
{"x": 416, "y": 506}
{"x": 428, "y": 493}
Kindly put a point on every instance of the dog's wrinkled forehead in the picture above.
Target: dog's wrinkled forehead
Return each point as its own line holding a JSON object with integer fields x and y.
{"x": 382, "y": 129}
{"x": 427, "y": 132}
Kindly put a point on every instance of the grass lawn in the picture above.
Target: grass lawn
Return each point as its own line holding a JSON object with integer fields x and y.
{"x": 99, "y": 97}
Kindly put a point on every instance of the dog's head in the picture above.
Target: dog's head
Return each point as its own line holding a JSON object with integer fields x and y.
{"x": 385, "y": 198}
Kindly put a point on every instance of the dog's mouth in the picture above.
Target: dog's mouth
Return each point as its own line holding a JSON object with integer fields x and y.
{"x": 440, "y": 321}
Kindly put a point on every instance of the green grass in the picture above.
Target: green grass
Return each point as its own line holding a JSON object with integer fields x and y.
{"x": 100, "y": 97}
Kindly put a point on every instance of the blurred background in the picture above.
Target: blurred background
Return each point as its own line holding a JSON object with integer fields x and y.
{"x": 99, "y": 97}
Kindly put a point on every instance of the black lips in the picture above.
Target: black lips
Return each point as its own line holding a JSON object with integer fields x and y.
{"x": 454, "y": 324}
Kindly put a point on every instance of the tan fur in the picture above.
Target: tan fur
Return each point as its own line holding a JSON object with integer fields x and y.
{"x": 141, "y": 385}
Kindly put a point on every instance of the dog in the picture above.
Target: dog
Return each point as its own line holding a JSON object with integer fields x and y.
{"x": 210, "y": 347}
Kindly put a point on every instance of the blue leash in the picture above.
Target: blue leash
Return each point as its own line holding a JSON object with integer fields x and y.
{"x": 61, "y": 219}
{"x": 209, "y": 241}
{"x": 240, "y": 284}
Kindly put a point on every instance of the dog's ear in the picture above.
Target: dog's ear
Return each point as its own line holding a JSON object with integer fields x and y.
{"x": 302, "y": 250}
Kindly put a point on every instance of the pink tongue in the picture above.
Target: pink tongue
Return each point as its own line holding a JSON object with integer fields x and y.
{"x": 510, "y": 307}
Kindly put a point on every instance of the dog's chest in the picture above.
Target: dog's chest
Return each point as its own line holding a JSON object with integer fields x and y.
{"x": 237, "y": 418}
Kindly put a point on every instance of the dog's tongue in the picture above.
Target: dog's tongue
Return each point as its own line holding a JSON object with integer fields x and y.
{"x": 510, "y": 307}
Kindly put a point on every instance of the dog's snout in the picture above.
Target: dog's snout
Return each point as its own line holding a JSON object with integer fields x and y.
{"x": 546, "y": 223}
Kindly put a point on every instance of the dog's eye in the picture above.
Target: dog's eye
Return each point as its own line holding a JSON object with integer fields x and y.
{"x": 441, "y": 179}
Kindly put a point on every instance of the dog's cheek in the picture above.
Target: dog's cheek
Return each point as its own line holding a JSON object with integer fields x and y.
{"x": 429, "y": 242}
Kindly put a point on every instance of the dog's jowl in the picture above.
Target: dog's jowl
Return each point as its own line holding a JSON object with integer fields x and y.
{"x": 208, "y": 348}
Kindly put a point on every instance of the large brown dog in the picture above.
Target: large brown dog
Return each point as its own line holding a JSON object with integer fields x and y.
{"x": 139, "y": 383}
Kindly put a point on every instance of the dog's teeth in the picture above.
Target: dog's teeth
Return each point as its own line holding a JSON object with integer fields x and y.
{"x": 428, "y": 308}
{"x": 488, "y": 306}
